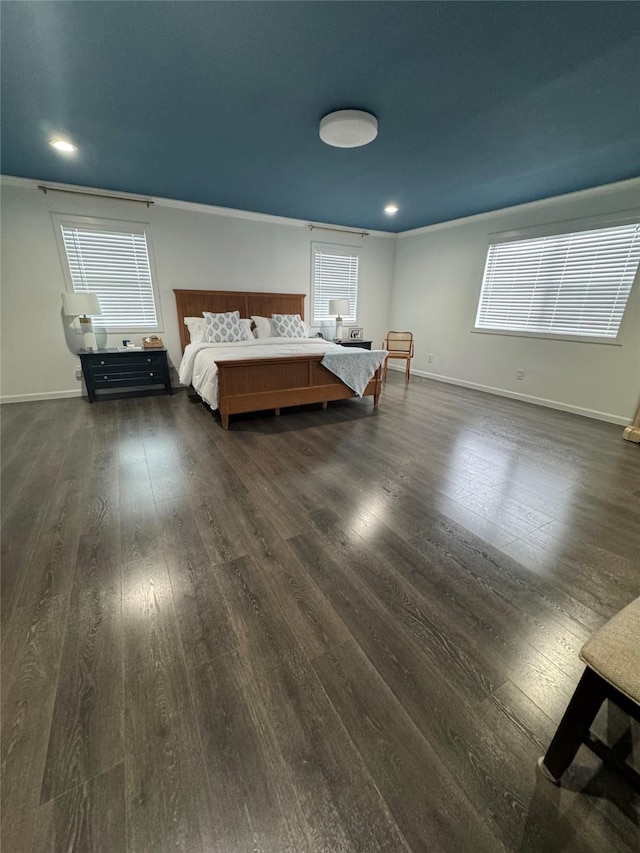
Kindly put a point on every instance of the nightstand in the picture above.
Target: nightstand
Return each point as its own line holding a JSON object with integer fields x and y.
{"x": 114, "y": 369}
{"x": 354, "y": 343}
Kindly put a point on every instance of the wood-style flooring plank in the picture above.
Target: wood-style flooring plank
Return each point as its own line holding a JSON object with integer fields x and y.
{"x": 86, "y": 733}
{"x": 199, "y": 603}
{"x": 425, "y": 800}
{"x": 601, "y": 579}
{"x": 53, "y": 558}
{"x": 465, "y": 638}
{"x": 232, "y": 524}
{"x": 266, "y": 694}
{"x": 18, "y": 457}
{"x": 140, "y": 536}
{"x": 167, "y": 793}
{"x": 255, "y": 801}
{"x": 281, "y": 511}
{"x": 130, "y": 441}
{"x": 314, "y": 623}
{"x": 23, "y": 515}
{"x": 90, "y": 818}
{"x": 433, "y": 701}
{"x": 27, "y": 704}
{"x": 86, "y": 736}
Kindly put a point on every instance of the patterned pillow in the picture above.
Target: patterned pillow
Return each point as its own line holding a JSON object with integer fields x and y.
{"x": 288, "y": 326}
{"x": 224, "y": 328}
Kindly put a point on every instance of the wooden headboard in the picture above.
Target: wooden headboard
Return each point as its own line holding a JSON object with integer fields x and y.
{"x": 191, "y": 303}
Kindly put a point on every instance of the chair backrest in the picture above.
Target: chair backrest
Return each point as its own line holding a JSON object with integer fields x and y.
{"x": 399, "y": 342}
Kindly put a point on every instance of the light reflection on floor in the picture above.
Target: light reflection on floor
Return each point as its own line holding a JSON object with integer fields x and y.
{"x": 493, "y": 480}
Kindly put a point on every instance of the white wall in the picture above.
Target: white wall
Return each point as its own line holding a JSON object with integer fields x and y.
{"x": 438, "y": 273}
{"x": 193, "y": 250}
{"x": 428, "y": 282}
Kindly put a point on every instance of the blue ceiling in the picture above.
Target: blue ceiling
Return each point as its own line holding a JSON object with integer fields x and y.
{"x": 480, "y": 105}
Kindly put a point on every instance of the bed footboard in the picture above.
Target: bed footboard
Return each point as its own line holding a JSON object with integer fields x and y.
{"x": 275, "y": 383}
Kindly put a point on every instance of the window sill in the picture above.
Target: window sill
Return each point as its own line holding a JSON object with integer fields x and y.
{"x": 128, "y": 330}
{"x": 577, "y": 339}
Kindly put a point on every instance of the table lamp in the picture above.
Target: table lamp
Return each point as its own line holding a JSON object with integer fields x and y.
{"x": 338, "y": 307}
{"x": 80, "y": 305}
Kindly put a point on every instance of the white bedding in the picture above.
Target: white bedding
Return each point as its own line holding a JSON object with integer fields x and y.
{"x": 198, "y": 366}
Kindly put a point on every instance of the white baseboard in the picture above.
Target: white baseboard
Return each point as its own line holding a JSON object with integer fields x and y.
{"x": 49, "y": 395}
{"x": 526, "y": 398}
{"x": 42, "y": 395}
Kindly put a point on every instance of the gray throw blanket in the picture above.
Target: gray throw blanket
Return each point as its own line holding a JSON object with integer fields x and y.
{"x": 354, "y": 367}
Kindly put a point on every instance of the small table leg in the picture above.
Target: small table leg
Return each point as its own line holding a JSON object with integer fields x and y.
{"x": 277, "y": 411}
{"x": 581, "y": 712}
{"x": 324, "y": 404}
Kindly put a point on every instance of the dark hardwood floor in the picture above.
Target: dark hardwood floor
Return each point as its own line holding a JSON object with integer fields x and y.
{"x": 330, "y": 631}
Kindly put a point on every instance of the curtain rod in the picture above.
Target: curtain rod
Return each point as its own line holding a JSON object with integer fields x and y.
{"x": 146, "y": 201}
{"x": 337, "y": 230}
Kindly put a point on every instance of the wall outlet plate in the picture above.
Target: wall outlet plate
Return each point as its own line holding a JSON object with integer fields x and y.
{"x": 430, "y": 358}
{"x": 78, "y": 373}
{"x": 520, "y": 373}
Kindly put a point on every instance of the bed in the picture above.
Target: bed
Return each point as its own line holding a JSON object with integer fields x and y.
{"x": 263, "y": 376}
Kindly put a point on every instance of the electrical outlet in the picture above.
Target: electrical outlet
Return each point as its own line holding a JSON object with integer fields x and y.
{"x": 78, "y": 373}
{"x": 430, "y": 358}
{"x": 519, "y": 373}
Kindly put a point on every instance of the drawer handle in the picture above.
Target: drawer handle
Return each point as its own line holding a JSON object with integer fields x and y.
{"x": 151, "y": 374}
{"x": 106, "y": 377}
{"x": 102, "y": 362}
{"x": 149, "y": 360}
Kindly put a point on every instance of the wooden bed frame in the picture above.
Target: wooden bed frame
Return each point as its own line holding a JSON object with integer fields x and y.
{"x": 253, "y": 385}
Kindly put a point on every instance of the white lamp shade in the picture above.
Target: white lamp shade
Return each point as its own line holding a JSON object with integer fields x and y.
{"x": 338, "y": 306}
{"x": 75, "y": 304}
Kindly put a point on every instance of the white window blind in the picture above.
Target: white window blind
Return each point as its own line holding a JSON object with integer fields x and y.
{"x": 115, "y": 266}
{"x": 566, "y": 284}
{"x": 334, "y": 276}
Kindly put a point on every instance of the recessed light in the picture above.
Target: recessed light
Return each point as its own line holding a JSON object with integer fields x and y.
{"x": 63, "y": 145}
{"x": 390, "y": 209}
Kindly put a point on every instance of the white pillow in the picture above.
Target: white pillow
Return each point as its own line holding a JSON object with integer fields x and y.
{"x": 246, "y": 324}
{"x": 263, "y": 327}
{"x": 288, "y": 326}
{"x": 225, "y": 327}
{"x": 196, "y": 327}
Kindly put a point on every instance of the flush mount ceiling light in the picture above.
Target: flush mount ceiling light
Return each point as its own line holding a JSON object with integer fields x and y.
{"x": 63, "y": 145}
{"x": 348, "y": 128}
{"x": 390, "y": 209}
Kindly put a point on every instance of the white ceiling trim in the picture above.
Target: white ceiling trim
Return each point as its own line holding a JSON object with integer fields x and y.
{"x": 194, "y": 207}
{"x": 630, "y": 184}
{"x": 213, "y": 210}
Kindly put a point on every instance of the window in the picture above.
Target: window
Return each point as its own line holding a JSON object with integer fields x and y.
{"x": 573, "y": 284}
{"x": 111, "y": 259}
{"x": 334, "y": 275}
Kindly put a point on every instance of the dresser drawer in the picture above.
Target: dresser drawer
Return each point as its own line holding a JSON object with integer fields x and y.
{"x": 124, "y": 368}
{"x": 120, "y": 376}
{"x": 355, "y": 343}
{"x": 125, "y": 361}
{"x": 113, "y": 370}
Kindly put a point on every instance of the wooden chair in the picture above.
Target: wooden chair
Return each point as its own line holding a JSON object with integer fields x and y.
{"x": 399, "y": 345}
{"x": 612, "y": 657}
